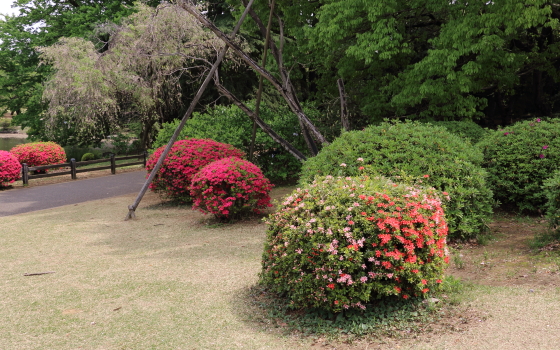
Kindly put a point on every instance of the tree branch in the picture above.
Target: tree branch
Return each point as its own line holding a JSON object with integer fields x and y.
{"x": 287, "y": 94}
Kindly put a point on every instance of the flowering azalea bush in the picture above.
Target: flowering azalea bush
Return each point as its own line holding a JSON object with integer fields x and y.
{"x": 412, "y": 152}
{"x": 10, "y": 168}
{"x": 340, "y": 243}
{"x": 519, "y": 158}
{"x": 39, "y": 153}
{"x": 230, "y": 187}
{"x": 184, "y": 160}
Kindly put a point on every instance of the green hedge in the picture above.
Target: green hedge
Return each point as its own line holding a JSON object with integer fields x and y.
{"x": 415, "y": 152}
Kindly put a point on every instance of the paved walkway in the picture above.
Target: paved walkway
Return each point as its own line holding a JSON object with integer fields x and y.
{"x": 23, "y": 200}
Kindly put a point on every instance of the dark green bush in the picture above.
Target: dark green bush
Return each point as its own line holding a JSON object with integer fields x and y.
{"x": 415, "y": 152}
{"x": 551, "y": 190}
{"x": 230, "y": 125}
{"x": 88, "y": 156}
{"x": 518, "y": 159}
{"x": 465, "y": 128}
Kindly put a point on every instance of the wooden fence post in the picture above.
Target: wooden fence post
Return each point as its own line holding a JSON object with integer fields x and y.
{"x": 145, "y": 157}
{"x": 73, "y": 169}
{"x": 113, "y": 165}
{"x": 25, "y": 173}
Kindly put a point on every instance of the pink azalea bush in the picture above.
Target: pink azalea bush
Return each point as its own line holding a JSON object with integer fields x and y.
{"x": 341, "y": 243}
{"x": 10, "y": 168}
{"x": 39, "y": 153}
{"x": 230, "y": 187}
{"x": 184, "y": 160}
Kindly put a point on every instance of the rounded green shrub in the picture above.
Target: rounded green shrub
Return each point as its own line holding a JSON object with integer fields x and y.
{"x": 551, "y": 190}
{"x": 88, "y": 156}
{"x": 341, "y": 243}
{"x": 464, "y": 128}
{"x": 411, "y": 152}
{"x": 519, "y": 158}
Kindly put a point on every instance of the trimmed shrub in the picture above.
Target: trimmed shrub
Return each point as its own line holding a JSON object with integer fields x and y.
{"x": 519, "y": 158}
{"x": 88, "y": 156}
{"x": 228, "y": 124}
{"x": 341, "y": 243}
{"x": 467, "y": 129}
{"x": 551, "y": 190}
{"x": 184, "y": 160}
{"x": 229, "y": 188}
{"x": 39, "y": 153}
{"x": 10, "y": 168}
{"x": 411, "y": 152}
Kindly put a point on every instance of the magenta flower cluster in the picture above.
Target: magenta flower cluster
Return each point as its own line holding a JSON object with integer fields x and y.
{"x": 184, "y": 160}
{"x": 39, "y": 153}
{"x": 230, "y": 187}
{"x": 10, "y": 168}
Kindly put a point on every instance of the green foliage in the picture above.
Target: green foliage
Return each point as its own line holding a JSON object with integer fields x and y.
{"x": 519, "y": 158}
{"x": 430, "y": 58}
{"x": 382, "y": 317}
{"x": 412, "y": 152}
{"x": 41, "y": 23}
{"x": 551, "y": 189}
{"x": 6, "y": 125}
{"x": 88, "y": 156}
{"x": 341, "y": 243}
{"x": 230, "y": 125}
{"x": 467, "y": 129}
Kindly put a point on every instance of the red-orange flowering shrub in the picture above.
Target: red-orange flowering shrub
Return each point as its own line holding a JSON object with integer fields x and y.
{"x": 230, "y": 187}
{"x": 39, "y": 153}
{"x": 184, "y": 160}
{"x": 10, "y": 169}
{"x": 340, "y": 243}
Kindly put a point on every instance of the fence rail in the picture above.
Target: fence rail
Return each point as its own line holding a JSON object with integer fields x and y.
{"x": 73, "y": 165}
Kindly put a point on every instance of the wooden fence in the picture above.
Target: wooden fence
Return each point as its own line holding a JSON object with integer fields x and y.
{"x": 73, "y": 165}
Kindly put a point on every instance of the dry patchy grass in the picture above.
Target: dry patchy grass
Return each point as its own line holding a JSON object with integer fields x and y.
{"x": 175, "y": 279}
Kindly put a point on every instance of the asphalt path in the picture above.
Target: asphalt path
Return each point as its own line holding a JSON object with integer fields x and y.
{"x": 24, "y": 200}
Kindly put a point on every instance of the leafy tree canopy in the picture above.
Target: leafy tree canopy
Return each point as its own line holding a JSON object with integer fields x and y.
{"x": 41, "y": 23}
{"x": 437, "y": 59}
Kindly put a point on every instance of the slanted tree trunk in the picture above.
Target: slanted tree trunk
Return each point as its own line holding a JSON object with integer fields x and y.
{"x": 286, "y": 89}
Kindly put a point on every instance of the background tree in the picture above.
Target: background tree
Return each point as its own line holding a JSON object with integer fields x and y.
{"x": 432, "y": 59}
{"x": 137, "y": 77}
{"x": 41, "y": 23}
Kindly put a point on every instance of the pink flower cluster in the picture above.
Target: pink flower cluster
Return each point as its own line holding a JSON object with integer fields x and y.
{"x": 184, "y": 160}
{"x": 230, "y": 187}
{"x": 10, "y": 168}
{"x": 39, "y": 153}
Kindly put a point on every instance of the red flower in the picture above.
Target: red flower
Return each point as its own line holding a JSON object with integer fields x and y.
{"x": 331, "y": 286}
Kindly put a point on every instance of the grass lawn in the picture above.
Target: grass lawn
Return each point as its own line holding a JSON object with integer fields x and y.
{"x": 174, "y": 279}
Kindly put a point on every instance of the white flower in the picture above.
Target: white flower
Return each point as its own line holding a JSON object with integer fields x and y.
{"x": 343, "y": 164}
{"x": 360, "y": 159}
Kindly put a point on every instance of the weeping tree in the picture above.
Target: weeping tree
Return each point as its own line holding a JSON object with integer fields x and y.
{"x": 137, "y": 75}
